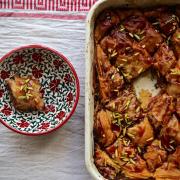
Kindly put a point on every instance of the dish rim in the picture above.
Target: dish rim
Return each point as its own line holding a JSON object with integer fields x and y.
{"x": 73, "y": 72}
{"x": 96, "y": 9}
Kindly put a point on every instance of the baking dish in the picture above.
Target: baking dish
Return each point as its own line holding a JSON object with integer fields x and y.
{"x": 89, "y": 100}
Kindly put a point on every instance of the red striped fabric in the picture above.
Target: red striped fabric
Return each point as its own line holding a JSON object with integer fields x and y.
{"x": 48, "y": 5}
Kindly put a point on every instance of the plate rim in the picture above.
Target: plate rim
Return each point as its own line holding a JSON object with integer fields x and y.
{"x": 39, "y": 46}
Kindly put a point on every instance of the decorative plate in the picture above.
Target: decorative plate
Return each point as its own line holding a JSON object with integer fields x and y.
{"x": 60, "y": 89}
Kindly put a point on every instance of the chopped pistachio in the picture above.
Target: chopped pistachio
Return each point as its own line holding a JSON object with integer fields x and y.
{"x": 160, "y": 146}
{"x": 128, "y": 48}
{"x": 175, "y": 71}
{"x": 125, "y": 159}
{"x": 22, "y": 97}
{"x": 140, "y": 70}
{"x": 128, "y": 122}
{"x": 178, "y": 35}
{"x": 137, "y": 53}
{"x": 142, "y": 37}
{"x": 138, "y": 108}
{"x": 127, "y": 104}
{"x": 113, "y": 105}
{"x": 130, "y": 135}
{"x": 137, "y": 37}
{"x": 139, "y": 149}
{"x": 25, "y": 87}
{"x": 114, "y": 53}
{"x": 112, "y": 77}
{"x": 122, "y": 28}
{"x": 116, "y": 153}
{"x": 124, "y": 131}
{"x": 125, "y": 60}
{"x": 126, "y": 116}
{"x": 27, "y": 80}
{"x": 150, "y": 139}
{"x": 124, "y": 142}
{"x": 171, "y": 19}
{"x": 142, "y": 32}
{"x": 168, "y": 39}
{"x": 21, "y": 88}
{"x": 119, "y": 122}
{"x": 131, "y": 35}
{"x": 132, "y": 161}
{"x": 114, "y": 121}
{"x": 174, "y": 27}
{"x": 131, "y": 155}
{"x": 155, "y": 23}
{"x": 28, "y": 94}
{"x": 30, "y": 88}
{"x": 120, "y": 65}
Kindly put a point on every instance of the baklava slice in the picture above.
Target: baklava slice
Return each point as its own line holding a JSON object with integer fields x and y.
{"x": 25, "y": 93}
{"x": 143, "y": 32}
{"x": 155, "y": 155}
{"x": 126, "y": 104}
{"x": 124, "y": 154}
{"x": 133, "y": 62}
{"x": 105, "y": 131}
{"x": 161, "y": 108}
{"x": 164, "y": 19}
{"x": 164, "y": 59}
{"x": 110, "y": 81}
{"x": 142, "y": 133}
{"x": 171, "y": 168}
{"x": 107, "y": 167}
{"x": 105, "y": 21}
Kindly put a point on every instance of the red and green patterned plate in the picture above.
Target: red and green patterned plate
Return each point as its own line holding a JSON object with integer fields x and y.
{"x": 60, "y": 89}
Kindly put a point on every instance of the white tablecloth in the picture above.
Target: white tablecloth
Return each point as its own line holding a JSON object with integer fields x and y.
{"x": 59, "y": 155}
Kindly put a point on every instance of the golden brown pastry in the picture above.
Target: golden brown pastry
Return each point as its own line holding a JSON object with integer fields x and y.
{"x": 110, "y": 81}
{"x": 166, "y": 20}
{"x": 123, "y": 153}
{"x": 172, "y": 129}
{"x": 105, "y": 21}
{"x": 133, "y": 62}
{"x": 126, "y": 104}
{"x": 25, "y": 93}
{"x": 105, "y": 164}
{"x": 143, "y": 32}
{"x": 161, "y": 108}
{"x": 142, "y": 133}
{"x": 137, "y": 137}
{"x": 165, "y": 59}
{"x": 155, "y": 155}
{"x": 103, "y": 128}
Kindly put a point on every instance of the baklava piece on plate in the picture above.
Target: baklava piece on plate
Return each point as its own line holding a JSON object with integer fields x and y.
{"x": 25, "y": 93}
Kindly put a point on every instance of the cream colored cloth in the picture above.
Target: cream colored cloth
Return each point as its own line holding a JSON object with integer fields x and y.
{"x": 59, "y": 155}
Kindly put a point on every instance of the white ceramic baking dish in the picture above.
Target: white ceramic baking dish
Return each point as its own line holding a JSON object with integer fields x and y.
{"x": 89, "y": 99}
